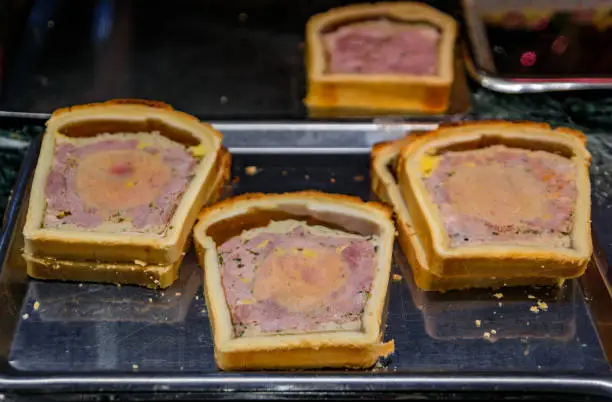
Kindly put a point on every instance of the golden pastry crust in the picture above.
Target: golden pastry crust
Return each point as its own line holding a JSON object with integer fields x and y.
{"x": 379, "y": 92}
{"x": 80, "y": 255}
{"x": 325, "y": 349}
{"x": 484, "y": 267}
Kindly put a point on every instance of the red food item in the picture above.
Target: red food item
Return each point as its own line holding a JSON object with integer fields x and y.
{"x": 121, "y": 169}
{"x": 528, "y": 59}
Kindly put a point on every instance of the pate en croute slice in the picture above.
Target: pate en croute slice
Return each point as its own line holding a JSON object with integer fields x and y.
{"x": 489, "y": 204}
{"x": 116, "y": 191}
{"x": 296, "y": 280}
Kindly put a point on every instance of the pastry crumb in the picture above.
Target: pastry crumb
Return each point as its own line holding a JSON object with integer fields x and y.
{"x": 25, "y": 316}
{"x": 203, "y": 311}
{"x": 332, "y": 180}
{"x": 150, "y": 300}
{"x": 542, "y": 305}
{"x": 178, "y": 294}
{"x": 36, "y": 305}
{"x": 251, "y": 170}
{"x": 118, "y": 285}
{"x": 531, "y": 297}
{"x": 534, "y": 309}
{"x": 197, "y": 297}
{"x": 500, "y": 304}
{"x": 486, "y": 335}
{"x": 80, "y": 285}
{"x": 397, "y": 278}
{"x": 134, "y": 366}
{"x": 359, "y": 177}
{"x": 493, "y": 332}
{"x": 498, "y": 296}
{"x": 478, "y": 323}
{"x": 140, "y": 262}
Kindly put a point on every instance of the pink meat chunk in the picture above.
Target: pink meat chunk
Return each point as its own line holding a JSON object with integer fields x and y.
{"x": 241, "y": 264}
{"x": 383, "y": 47}
{"x": 500, "y": 194}
{"x": 66, "y": 206}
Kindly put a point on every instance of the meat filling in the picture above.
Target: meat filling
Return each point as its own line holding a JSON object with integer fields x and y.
{"x": 110, "y": 183}
{"x": 499, "y": 194}
{"x": 292, "y": 278}
{"x": 383, "y": 47}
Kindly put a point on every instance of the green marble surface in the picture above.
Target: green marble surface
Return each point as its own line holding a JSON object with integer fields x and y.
{"x": 587, "y": 111}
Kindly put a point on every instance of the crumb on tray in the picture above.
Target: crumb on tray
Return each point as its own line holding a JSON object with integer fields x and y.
{"x": 251, "y": 170}
{"x": 332, "y": 180}
{"x": 531, "y": 297}
{"x": 359, "y": 177}
{"x": 498, "y": 295}
{"x": 534, "y": 309}
{"x": 397, "y": 278}
{"x": 542, "y": 305}
{"x": 36, "y": 305}
{"x": 478, "y": 323}
{"x": 486, "y": 335}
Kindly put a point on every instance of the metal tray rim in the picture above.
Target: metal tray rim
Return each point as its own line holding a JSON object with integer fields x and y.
{"x": 511, "y": 87}
{"x": 252, "y": 382}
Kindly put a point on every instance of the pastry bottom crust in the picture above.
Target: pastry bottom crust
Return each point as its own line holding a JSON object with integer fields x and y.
{"x": 427, "y": 281}
{"x": 324, "y": 98}
{"x": 151, "y": 276}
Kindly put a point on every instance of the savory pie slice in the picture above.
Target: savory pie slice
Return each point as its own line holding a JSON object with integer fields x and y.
{"x": 515, "y": 250}
{"x": 116, "y": 190}
{"x": 382, "y": 56}
{"x": 296, "y": 280}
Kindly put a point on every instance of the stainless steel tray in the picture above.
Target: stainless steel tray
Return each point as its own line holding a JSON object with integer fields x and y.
{"x": 70, "y": 338}
{"x": 510, "y": 86}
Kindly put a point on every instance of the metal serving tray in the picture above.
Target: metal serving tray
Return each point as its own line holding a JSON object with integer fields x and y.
{"x": 63, "y": 340}
{"x": 478, "y": 54}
